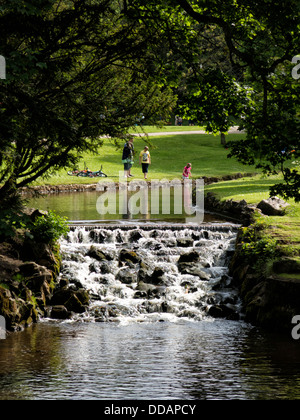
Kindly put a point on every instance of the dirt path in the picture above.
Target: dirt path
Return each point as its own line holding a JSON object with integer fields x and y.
{"x": 233, "y": 130}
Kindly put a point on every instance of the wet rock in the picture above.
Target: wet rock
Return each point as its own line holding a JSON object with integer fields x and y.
{"x": 105, "y": 268}
{"x": 38, "y": 279}
{"x": 156, "y": 276}
{"x": 146, "y": 274}
{"x": 193, "y": 270}
{"x": 145, "y": 287}
{"x": 73, "y": 304}
{"x": 169, "y": 242}
{"x": 129, "y": 256}
{"x": 61, "y": 295}
{"x": 126, "y": 275}
{"x": 185, "y": 242}
{"x": 140, "y": 294}
{"x": 73, "y": 300}
{"x": 224, "y": 281}
{"x": 96, "y": 254}
{"x": 192, "y": 256}
{"x": 223, "y": 311}
{"x": 101, "y": 236}
{"x": 94, "y": 268}
{"x": 60, "y": 312}
{"x": 99, "y": 255}
{"x": 135, "y": 235}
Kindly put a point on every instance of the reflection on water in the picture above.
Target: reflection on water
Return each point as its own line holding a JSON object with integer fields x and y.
{"x": 204, "y": 360}
{"x": 83, "y": 206}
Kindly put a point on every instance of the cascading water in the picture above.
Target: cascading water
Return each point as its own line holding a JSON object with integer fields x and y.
{"x": 152, "y": 272}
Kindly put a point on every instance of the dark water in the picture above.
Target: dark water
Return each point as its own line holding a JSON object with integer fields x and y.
{"x": 166, "y": 361}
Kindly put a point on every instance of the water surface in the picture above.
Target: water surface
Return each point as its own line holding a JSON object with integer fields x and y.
{"x": 186, "y": 360}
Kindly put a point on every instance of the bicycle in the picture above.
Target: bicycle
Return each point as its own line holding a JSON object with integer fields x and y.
{"x": 87, "y": 173}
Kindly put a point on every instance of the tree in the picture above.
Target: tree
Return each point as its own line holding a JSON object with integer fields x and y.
{"x": 260, "y": 39}
{"x": 74, "y": 74}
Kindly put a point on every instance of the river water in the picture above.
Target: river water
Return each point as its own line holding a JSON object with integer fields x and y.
{"x": 158, "y": 342}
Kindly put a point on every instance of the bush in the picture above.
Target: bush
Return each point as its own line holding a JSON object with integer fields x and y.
{"x": 49, "y": 228}
{"x": 256, "y": 245}
{"x": 10, "y": 222}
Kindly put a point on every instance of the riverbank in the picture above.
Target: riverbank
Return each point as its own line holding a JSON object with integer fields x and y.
{"x": 266, "y": 263}
{"x": 105, "y": 182}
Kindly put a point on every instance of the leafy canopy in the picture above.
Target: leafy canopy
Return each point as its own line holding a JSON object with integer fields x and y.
{"x": 74, "y": 74}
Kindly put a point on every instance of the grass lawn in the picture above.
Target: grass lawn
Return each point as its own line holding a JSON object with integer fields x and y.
{"x": 169, "y": 153}
{"x": 286, "y": 229}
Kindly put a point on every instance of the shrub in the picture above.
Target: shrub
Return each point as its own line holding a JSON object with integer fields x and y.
{"x": 256, "y": 245}
{"x": 49, "y": 228}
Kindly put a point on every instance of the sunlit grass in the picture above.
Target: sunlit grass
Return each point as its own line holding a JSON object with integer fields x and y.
{"x": 169, "y": 153}
{"x": 286, "y": 228}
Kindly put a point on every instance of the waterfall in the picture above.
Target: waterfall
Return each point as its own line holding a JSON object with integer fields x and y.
{"x": 146, "y": 273}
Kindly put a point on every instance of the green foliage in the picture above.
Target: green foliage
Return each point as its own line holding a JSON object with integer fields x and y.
{"x": 256, "y": 245}
{"x": 238, "y": 66}
{"x": 10, "y": 222}
{"x": 74, "y": 75}
{"x": 49, "y": 228}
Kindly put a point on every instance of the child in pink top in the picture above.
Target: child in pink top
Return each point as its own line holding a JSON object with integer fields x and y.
{"x": 187, "y": 171}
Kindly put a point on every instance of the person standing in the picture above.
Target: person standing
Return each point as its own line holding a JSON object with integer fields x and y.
{"x": 127, "y": 157}
{"x": 187, "y": 171}
{"x": 145, "y": 160}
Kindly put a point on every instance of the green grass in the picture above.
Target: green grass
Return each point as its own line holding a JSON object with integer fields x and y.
{"x": 252, "y": 189}
{"x": 169, "y": 153}
{"x": 286, "y": 229}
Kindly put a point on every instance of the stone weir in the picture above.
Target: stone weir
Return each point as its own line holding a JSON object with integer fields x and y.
{"x": 146, "y": 273}
{"x": 220, "y": 227}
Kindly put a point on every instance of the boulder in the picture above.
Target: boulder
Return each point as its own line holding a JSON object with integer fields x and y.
{"x": 98, "y": 255}
{"x": 273, "y": 206}
{"x": 194, "y": 270}
{"x": 223, "y": 311}
{"x": 192, "y": 256}
{"x": 38, "y": 279}
{"x": 129, "y": 256}
{"x": 60, "y": 312}
{"x": 73, "y": 304}
{"x": 126, "y": 275}
{"x": 185, "y": 242}
{"x": 72, "y": 300}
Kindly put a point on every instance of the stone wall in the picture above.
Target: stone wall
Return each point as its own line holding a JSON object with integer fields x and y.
{"x": 270, "y": 292}
{"x": 30, "y": 287}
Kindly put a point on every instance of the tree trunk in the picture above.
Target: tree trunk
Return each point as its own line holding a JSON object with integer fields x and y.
{"x": 223, "y": 139}
{"x": 9, "y": 195}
